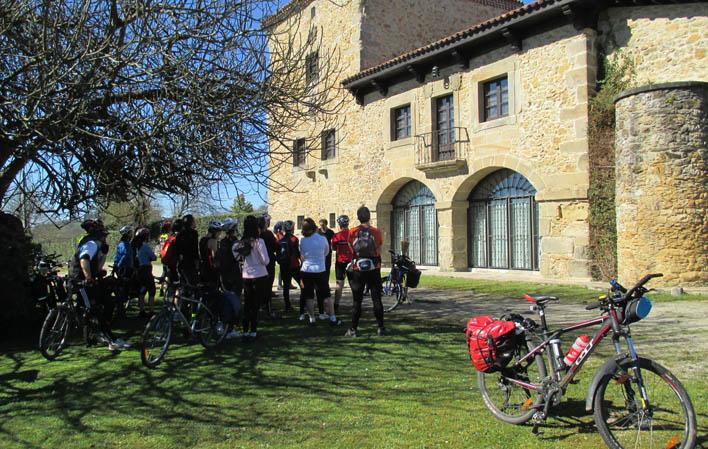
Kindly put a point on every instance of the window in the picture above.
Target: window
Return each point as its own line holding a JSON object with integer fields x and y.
{"x": 401, "y": 123}
{"x": 299, "y": 153}
{"x": 332, "y": 219}
{"x": 329, "y": 145}
{"x": 312, "y": 70}
{"x": 496, "y": 98}
{"x": 313, "y": 11}
{"x": 444, "y": 136}
{"x": 300, "y": 221}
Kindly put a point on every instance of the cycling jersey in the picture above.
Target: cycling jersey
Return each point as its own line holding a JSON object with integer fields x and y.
{"x": 340, "y": 244}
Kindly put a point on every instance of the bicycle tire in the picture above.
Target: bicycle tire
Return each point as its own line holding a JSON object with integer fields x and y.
{"x": 532, "y": 400}
{"x": 620, "y": 432}
{"x": 210, "y": 328}
{"x": 157, "y": 330}
{"x": 52, "y": 337}
{"x": 389, "y": 294}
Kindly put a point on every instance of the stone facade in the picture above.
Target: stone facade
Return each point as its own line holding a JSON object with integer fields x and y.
{"x": 544, "y": 137}
{"x": 662, "y": 183}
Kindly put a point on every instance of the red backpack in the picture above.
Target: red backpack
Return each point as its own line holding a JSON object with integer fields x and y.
{"x": 168, "y": 252}
{"x": 490, "y": 342}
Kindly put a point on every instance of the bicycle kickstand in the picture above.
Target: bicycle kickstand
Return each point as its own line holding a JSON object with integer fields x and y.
{"x": 540, "y": 417}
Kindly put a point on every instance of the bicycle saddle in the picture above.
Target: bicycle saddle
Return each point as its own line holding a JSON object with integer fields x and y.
{"x": 540, "y": 300}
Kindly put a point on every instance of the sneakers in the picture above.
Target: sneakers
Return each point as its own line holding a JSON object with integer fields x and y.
{"x": 302, "y": 317}
{"x": 312, "y": 321}
{"x": 113, "y": 346}
{"x": 323, "y": 316}
{"x": 335, "y": 322}
{"x": 351, "y": 333}
{"x": 121, "y": 343}
{"x": 233, "y": 334}
{"x": 381, "y": 332}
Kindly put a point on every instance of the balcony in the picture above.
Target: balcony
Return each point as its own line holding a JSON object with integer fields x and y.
{"x": 441, "y": 151}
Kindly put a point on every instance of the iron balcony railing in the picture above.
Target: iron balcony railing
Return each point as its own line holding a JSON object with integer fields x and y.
{"x": 443, "y": 145}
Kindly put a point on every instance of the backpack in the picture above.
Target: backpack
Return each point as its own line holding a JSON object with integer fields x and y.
{"x": 365, "y": 244}
{"x": 491, "y": 342}
{"x": 243, "y": 248}
{"x": 168, "y": 252}
{"x": 284, "y": 252}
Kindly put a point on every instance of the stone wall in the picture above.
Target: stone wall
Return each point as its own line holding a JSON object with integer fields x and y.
{"x": 662, "y": 184}
{"x": 385, "y": 34}
{"x": 666, "y": 42}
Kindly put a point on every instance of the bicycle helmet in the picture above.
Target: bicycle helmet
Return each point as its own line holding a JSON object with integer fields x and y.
{"x": 278, "y": 227}
{"x": 288, "y": 226}
{"x": 229, "y": 225}
{"x": 215, "y": 226}
{"x": 143, "y": 232}
{"x": 126, "y": 230}
{"x": 343, "y": 220}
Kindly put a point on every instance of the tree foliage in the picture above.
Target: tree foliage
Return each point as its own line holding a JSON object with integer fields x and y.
{"x": 101, "y": 101}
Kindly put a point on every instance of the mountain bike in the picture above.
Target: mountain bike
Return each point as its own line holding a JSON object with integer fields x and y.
{"x": 636, "y": 402}
{"x": 206, "y": 324}
{"x": 394, "y": 290}
{"x": 67, "y": 315}
{"x": 48, "y": 287}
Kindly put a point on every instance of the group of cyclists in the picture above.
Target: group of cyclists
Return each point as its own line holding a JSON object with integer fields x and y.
{"x": 238, "y": 269}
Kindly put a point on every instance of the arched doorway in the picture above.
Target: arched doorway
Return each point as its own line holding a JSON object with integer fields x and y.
{"x": 503, "y": 223}
{"x": 415, "y": 219}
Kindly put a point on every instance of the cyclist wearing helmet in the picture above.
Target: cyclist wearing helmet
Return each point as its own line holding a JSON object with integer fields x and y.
{"x": 208, "y": 246}
{"x": 340, "y": 244}
{"x": 327, "y": 233}
{"x": 145, "y": 257}
{"x": 230, "y": 274}
{"x": 123, "y": 263}
{"x": 87, "y": 266}
{"x": 288, "y": 257}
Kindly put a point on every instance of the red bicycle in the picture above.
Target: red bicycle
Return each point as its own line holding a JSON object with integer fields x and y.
{"x": 636, "y": 402}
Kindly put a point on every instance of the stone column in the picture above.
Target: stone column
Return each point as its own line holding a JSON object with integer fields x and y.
{"x": 452, "y": 235}
{"x": 662, "y": 183}
{"x": 383, "y": 222}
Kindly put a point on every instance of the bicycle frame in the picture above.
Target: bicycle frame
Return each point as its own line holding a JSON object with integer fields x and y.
{"x": 579, "y": 362}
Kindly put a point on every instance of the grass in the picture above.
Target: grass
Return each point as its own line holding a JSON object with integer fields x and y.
{"x": 297, "y": 387}
{"x": 517, "y": 289}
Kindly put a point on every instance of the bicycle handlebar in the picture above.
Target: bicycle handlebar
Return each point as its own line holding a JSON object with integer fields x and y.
{"x": 641, "y": 283}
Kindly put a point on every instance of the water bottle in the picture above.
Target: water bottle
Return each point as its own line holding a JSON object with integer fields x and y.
{"x": 557, "y": 354}
{"x": 578, "y": 347}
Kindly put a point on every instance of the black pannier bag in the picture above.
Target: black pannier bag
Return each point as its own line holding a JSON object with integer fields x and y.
{"x": 413, "y": 277}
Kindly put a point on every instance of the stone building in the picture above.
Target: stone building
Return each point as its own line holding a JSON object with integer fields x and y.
{"x": 465, "y": 126}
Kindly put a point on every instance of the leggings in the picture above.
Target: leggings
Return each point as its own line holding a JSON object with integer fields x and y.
{"x": 146, "y": 280}
{"x": 314, "y": 283}
{"x": 358, "y": 280}
{"x": 255, "y": 293}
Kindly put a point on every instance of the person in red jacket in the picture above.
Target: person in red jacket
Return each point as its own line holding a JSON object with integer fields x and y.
{"x": 366, "y": 241}
{"x": 340, "y": 244}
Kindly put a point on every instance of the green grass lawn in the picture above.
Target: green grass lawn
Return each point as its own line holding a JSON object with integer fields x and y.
{"x": 296, "y": 387}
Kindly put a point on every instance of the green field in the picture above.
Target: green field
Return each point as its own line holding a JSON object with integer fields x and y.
{"x": 296, "y": 387}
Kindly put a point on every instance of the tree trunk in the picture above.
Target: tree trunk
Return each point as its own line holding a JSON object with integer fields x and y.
{"x": 9, "y": 174}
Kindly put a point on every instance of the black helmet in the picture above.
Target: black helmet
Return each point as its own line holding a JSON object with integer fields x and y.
{"x": 288, "y": 226}
{"x": 343, "y": 220}
{"x": 363, "y": 214}
{"x": 278, "y": 226}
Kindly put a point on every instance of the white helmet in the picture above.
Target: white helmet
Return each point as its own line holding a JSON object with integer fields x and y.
{"x": 126, "y": 230}
{"x": 229, "y": 225}
{"x": 215, "y": 226}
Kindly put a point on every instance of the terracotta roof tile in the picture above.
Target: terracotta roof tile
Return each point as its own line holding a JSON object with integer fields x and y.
{"x": 460, "y": 35}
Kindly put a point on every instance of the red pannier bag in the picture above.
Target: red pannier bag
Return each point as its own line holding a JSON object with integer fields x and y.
{"x": 485, "y": 337}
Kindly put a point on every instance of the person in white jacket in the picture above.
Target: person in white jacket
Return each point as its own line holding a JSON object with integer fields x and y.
{"x": 251, "y": 249}
{"x": 313, "y": 251}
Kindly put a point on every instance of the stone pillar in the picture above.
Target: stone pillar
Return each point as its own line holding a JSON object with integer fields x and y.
{"x": 662, "y": 183}
{"x": 383, "y": 222}
{"x": 452, "y": 235}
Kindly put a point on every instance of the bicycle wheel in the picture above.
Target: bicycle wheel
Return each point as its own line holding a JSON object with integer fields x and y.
{"x": 389, "y": 293}
{"x": 210, "y": 328}
{"x": 155, "y": 340}
{"x": 55, "y": 329}
{"x": 623, "y": 423}
{"x": 510, "y": 402}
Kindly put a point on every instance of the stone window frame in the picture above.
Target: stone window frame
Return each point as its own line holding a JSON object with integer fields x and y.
{"x": 394, "y": 102}
{"x": 300, "y": 221}
{"x": 499, "y": 105}
{"x": 312, "y": 68}
{"x": 491, "y": 72}
{"x": 299, "y": 153}
{"x": 324, "y": 150}
{"x": 394, "y": 122}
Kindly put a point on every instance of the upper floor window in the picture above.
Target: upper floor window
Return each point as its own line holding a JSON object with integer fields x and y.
{"x": 401, "y": 122}
{"x": 496, "y": 98}
{"x": 329, "y": 144}
{"x": 313, "y": 11}
{"x": 312, "y": 69}
{"x": 299, "y": 152}
{"x": 332, "y": 219}
{"x": 300, "y": 221}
